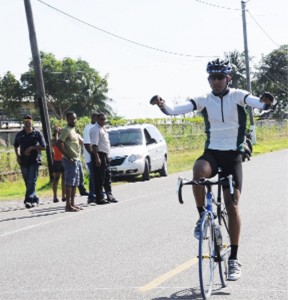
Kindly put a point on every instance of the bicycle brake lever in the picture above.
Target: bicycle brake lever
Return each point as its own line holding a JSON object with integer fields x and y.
{"x": 179, "y": 189}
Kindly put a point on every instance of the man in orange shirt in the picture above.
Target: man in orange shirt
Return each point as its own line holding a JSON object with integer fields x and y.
{"x": 58, "y": 169}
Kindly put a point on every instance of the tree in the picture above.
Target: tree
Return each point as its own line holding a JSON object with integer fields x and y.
{"x": 237, "y": 61}
{"x": 10, "y": 96}
{"x": 69, "y": 85}
{"x": 272, "y": 76}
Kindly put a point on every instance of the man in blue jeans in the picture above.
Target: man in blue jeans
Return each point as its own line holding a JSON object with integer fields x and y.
{"x": 30, "y": 142}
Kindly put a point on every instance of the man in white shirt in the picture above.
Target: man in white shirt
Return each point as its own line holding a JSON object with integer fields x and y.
{"x": 100, "y": 161}
{"x": 87, "y": 157}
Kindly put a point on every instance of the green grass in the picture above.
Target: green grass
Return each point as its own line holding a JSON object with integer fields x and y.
{"x": 268, "y": 139}
{"x": 178, "y": 161}
{"x": 16, "y": 189}
{"x": 182, "y": 161}
{"x": 273, "y": 145}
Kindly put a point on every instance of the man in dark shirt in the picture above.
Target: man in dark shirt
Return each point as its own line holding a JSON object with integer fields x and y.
{"x": 30, "y": 142}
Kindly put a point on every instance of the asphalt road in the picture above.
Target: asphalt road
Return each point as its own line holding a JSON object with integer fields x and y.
{"x": 143, "y": 246}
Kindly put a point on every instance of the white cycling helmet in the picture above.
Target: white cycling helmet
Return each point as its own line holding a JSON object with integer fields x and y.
{"x": 219, "y": 66}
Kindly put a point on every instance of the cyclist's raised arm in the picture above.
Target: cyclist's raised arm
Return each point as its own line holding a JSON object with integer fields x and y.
{"x": 265, "y": 102}
{"x": 181, "y": 108}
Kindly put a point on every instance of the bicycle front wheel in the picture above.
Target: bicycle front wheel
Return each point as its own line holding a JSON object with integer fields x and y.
{"x": 223, "y": 250}
{"x": 206, "y": 253}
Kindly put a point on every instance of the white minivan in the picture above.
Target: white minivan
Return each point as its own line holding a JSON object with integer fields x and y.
{"x": 137, "y": 150}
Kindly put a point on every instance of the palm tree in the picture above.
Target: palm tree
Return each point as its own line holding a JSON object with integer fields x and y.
{"x": 237, "y": 61}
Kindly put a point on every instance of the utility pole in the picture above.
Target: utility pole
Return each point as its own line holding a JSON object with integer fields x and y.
{"x": 248, "y": 82}
{"x": 40, "y": 89}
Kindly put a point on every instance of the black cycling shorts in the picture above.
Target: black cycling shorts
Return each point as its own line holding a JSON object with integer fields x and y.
{"x": 229, "y": 161}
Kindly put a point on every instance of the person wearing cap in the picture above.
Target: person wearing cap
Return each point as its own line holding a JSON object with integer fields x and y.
{"x": 224, "y": 115}
{"x": 28, "y": 145}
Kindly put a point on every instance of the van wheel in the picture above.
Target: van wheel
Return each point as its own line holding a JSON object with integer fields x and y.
{"x": 164, "y": 170}
{"x": 146, "y": 173}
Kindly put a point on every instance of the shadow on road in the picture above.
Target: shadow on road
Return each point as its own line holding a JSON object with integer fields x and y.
{"x": 36, "y": 213}
{"x": 186, "y": 294}
{"x": 192, "y": 293}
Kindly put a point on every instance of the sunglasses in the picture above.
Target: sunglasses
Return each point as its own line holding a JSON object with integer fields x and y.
{"x": 216, "y": 76}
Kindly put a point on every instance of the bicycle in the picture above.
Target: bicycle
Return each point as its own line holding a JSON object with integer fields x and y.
{"x": 214, "y": 243}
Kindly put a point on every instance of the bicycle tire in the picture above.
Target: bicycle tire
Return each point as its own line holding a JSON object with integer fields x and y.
{"x": 206, "y": 253}
{"x": 223, "y": 251}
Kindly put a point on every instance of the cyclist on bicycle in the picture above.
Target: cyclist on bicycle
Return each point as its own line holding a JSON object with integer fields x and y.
{"x": 224, "y": 114}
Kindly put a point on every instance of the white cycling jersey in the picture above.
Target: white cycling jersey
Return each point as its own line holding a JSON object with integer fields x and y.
{"x": 225, "y": 117}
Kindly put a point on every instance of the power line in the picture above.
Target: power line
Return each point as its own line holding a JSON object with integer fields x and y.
{"x": 122, "y": 38}
{"x": 272, "y": 78}
{"x": 262, "y": 29}
{"x": 253, "y": 18}
{"x": 215, "y": 5}
{"x": 229, "y": 8}
{"x": 154, "y": 48}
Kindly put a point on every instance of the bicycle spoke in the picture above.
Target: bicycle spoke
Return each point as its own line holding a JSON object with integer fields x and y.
{"x": 224, "y": 250}
{"x": 206, "y": 257}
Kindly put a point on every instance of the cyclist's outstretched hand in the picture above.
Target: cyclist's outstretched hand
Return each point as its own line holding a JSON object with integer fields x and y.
{"x": 269, "y": 101}
{"x": 157, "y": 100}
{"x": 267, "y": 98}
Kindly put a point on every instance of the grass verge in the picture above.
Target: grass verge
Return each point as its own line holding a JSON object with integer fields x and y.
{"x": 178, "y": 162}
{"x": 181, "y": 160}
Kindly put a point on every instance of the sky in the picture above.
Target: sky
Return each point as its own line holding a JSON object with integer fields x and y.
{"x": 146, "y": 47}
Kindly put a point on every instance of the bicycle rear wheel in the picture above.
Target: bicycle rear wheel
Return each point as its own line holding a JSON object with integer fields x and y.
{"x": 206, "y": 256}
{"x": 223, "y": 250}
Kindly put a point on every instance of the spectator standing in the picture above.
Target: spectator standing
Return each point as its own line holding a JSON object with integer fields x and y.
{"x": 58, "y": 169}
{"x": 100, "y": 160}
{"x": 87, "y": 157}
{"x": 30, "y": 142}
{"x": 68, "y": 144}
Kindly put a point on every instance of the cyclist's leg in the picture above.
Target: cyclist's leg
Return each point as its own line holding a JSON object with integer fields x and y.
{"x": 234, "y": 168}
{"x": 233, "y": 215}
{"x": 205, "y": 166}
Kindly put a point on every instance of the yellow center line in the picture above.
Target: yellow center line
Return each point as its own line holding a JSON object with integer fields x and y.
{"x": 157, "y": 281}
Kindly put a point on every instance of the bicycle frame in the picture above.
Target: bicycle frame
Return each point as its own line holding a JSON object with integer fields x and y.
{"x": 217, "y": 253}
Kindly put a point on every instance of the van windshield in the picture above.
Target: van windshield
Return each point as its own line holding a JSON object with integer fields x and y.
{"x": 125, "y": 137}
